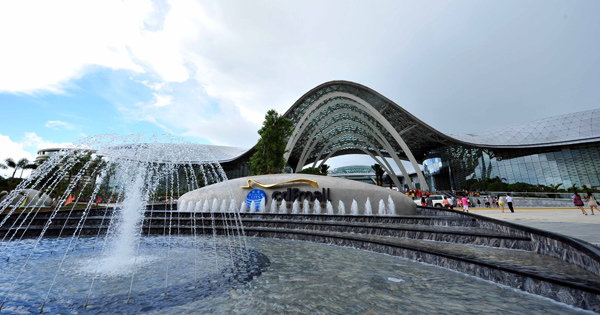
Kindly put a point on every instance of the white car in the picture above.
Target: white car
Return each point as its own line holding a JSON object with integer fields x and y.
{"x": 435, "y": 199}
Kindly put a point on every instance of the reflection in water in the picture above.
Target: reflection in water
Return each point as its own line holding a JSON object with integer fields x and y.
{"x": 302, "y": 278}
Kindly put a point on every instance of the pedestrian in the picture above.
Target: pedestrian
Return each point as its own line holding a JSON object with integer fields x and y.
{"x": 478, "y": 203}
{"x": 452, "y": 203}
{"x": 428, "y": 201}
{"x": 446, "y": 203}
{"x": 578, "y": 203}
{"x": 501, "y": 203}
{"x": 592, "y": 203}
{"x": 486, "y": 201}
{"x": 509, "y": 202}
{"x": 465, "y": 203}
{"x": 423, "y": 201}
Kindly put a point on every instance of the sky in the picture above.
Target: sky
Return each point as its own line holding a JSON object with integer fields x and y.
{"x": 208, "y": 71}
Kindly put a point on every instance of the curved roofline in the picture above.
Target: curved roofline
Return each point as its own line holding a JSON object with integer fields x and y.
{"x": 451, "y": 138}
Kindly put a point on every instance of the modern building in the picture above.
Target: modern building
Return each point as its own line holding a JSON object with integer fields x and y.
{"x": 340, "y": 117}
{"x": 365, "y": 174}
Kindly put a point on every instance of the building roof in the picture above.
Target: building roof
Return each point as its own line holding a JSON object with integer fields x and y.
{"x": 342, "y": 117}
{"x": 174, "y": 152}
{"x": 353, "y": 169}
{"x": 571, "y": 128}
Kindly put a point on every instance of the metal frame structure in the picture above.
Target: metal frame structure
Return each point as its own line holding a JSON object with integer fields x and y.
{"x": 369, "y": 122}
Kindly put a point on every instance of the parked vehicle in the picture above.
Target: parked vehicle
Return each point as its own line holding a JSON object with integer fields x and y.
{"x": 435, "y": 199}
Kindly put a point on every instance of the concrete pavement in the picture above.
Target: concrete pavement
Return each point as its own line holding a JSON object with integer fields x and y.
{"x": 566, "y": 221}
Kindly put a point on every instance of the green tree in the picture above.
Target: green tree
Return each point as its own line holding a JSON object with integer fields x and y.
{"x": 378, "y": 174}
{"x": 468, "y": 184}
{"x": 324, "y": 169}
{"x": 25, "y": 165}
{"x": 312, "y": 171}
{"x": 573, "y": 188}
{"x": 554, "y": 188}
{"x": 498, "y": 186}
{"x": 10, "y": 163}
{"x": 268, "y": 158}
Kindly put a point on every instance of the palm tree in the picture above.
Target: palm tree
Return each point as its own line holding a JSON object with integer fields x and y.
{"x": 573, "y": 188}
{"x": 24, "y": 164}
{"x": 29, "y": 166}
{"x": 12, "y": 164}
{"x": 324, "y": 169}
{"x": 378, "y": 174}
{"x": 554, "y": 188}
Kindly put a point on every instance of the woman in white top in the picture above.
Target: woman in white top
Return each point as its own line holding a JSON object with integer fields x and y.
{"x": 501, "y": 203}
{"x": 591, "y": 200}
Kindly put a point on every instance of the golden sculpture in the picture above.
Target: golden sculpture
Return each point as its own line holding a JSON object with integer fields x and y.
{"x": 299, "y": 180}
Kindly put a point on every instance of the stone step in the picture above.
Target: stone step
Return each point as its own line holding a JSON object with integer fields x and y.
{"x": 452, "y": 234}
{"x": 496, "y": 264}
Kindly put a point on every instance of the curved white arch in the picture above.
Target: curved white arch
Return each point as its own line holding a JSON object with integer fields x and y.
{"x": 384, "y": 164}
{"x": 330, "y": 141}
{"x": 378, "y": 135}
{"x": 377, "y": 115}
{"x": 300, "y": 129}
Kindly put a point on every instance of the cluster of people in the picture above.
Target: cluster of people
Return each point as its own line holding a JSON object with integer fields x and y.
{"x": 497, "y": 202}
{"x": 590, "y": 199}
{"x": 417, "y": 193}
{"x": 462, "y": 202}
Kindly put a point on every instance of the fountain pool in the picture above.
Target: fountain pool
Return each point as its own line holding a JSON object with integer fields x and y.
{"x": 78, "y": 257}
{"x": 301, "y": 277}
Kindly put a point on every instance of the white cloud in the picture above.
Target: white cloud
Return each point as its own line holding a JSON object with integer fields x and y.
{"x": 57, "y": 124}
{"x": 35, "y": 142}
{"x": 48, "y": 43}
{"x": 161, "y": 100}
{"x": 27, "y": 148}
{"x": 14, "y": 150}
{"x": 215, "y": 68}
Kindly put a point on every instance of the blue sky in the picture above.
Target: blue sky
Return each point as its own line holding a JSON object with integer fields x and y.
{"x": 208, "y": 71}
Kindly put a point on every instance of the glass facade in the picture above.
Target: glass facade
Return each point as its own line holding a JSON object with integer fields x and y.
{"x": 577, "y": 164}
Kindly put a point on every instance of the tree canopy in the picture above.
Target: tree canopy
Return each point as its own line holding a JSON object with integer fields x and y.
{"x": 268, "y": 158}
{"x": 379, "y": 171}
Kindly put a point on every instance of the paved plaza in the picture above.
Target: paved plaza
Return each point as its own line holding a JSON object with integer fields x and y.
{"x": 566, "y": 221}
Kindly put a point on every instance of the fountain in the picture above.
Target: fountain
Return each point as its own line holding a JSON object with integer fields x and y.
{"x": 329, "y": 208}
{"x": 317, "y": 207}
{"x": 382, "y": 210}
{"x": 129, "y": 177}
{"x": 354, "y": 208}
{"x": 368, "y": 210}
{"x": 123, "y": 239}
{"x": 341, "y": 208}
{"x": 305, "y": 206}
{"x": 391, "y": 206}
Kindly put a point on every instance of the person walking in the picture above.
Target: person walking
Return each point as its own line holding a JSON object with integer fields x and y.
{"x": 592, "y": 203}
{"x": 452, "y": 203}
{"x": 509, "y": 202}
{"x": 578, "y": 203}
{"x": 501, "y": 203}
{"x": 465, "y": 203}
{"x": 428, "y": 201}
{"x": 446, "y": 203}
